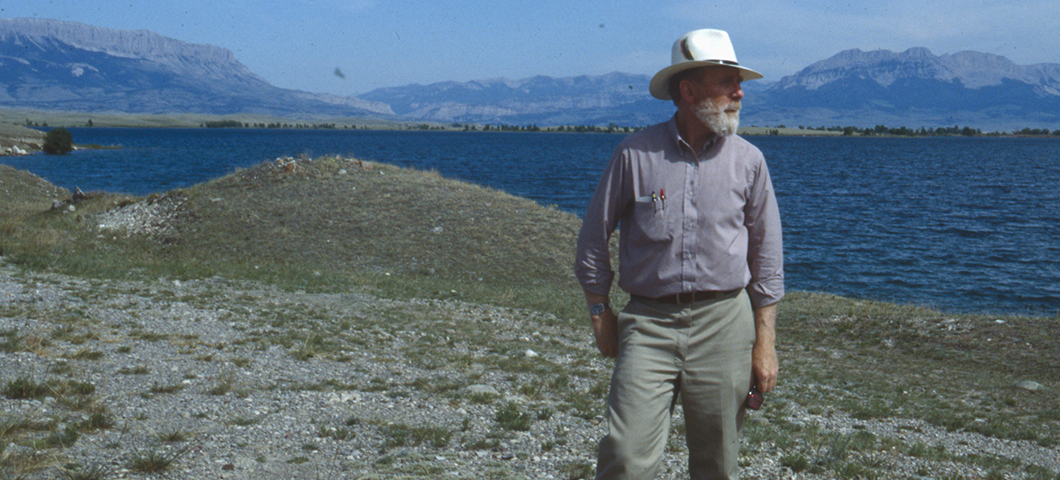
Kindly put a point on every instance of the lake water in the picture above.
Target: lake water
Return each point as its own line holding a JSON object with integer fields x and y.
{"x": 959, "y": 224}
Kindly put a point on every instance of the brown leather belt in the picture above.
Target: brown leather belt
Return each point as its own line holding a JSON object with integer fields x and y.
{"x": 689, "y": 297}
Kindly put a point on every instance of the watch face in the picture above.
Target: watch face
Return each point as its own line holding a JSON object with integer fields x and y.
{"x": 597, "y": 309}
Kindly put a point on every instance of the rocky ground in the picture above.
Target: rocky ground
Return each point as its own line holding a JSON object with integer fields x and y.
{"x": 231, "y": 380}
{"x": 214, "y": 378}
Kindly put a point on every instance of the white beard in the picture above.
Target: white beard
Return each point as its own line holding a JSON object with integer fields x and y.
{"x": 715, "y": 118}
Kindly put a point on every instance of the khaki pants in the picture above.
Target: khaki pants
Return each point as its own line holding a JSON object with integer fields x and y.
{"x": 703, "y": 352}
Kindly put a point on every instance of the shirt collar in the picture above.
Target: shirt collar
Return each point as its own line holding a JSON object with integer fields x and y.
{"x": 681, "y": 144}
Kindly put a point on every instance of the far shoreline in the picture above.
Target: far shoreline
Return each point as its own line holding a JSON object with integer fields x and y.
{"x": 43, "y": 119}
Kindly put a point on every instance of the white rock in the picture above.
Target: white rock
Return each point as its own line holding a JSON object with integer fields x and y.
{"x": 1029, "y": 385}
{"x": 483, "y": 389}
{"x": 531, "y": 354}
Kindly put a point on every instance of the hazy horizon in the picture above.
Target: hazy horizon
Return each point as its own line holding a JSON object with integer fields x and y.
{"x": 300, "y": 44}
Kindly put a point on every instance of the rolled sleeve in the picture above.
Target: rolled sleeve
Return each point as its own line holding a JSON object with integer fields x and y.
{"x": 593, "y": 259}
{"x": 765, "y": 250}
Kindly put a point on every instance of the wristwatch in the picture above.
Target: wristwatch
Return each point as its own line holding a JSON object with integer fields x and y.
{"x": 598, "y": 308}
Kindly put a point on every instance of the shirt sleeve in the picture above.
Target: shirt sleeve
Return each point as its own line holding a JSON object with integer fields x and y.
{"x": 593, "y": 259}
{"x": 765, "y": 250}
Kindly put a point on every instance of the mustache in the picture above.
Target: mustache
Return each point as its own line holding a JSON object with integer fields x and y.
{"x": 733, "y": 107}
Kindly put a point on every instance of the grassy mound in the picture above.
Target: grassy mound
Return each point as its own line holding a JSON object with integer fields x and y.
{"x": 329, "y": 223}
{"x": 23, "y": 193}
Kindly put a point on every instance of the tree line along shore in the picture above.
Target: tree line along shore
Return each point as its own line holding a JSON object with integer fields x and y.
{"x": 46, "y": 119}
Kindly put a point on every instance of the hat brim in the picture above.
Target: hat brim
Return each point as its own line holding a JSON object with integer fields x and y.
{"x": 660, "y": 83}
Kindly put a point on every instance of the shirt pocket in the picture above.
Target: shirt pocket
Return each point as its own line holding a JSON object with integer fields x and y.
{"x": 649, "y": 223}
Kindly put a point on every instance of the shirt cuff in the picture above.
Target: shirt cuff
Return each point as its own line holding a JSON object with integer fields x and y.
{"x": 763, "y": 297}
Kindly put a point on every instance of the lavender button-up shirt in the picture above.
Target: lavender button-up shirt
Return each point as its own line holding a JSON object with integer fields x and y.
{"x": 689, "y": 222}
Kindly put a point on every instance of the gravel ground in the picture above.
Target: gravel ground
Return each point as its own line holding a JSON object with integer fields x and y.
{"x": 233, "y": 380}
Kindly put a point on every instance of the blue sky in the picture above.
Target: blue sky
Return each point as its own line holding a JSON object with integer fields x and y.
{"x": 376, "y": 43}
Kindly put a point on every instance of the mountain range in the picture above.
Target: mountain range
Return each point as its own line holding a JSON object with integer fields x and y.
{"x": 916, "y": 88}
{"x": 67, "y": 66}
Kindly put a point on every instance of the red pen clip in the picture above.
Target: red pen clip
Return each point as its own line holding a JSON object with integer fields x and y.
{"x": 662, "y": 196}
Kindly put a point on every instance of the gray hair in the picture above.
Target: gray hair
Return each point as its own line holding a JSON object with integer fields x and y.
{"x": 691, "y": 74}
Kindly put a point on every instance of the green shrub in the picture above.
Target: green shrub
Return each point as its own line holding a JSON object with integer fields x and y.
{"x": 511, "y": 417}
{"x": 796, "y": 463}
{"x": 153, "y": 461}
{"x": 578, "y": 471}
{"x": 58, "y": 141}
{"x": 23, "y": 388}
{"x": 400, "y": 435}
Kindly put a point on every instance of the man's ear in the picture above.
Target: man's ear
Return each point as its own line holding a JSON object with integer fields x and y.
{"x": 687, "y": 90}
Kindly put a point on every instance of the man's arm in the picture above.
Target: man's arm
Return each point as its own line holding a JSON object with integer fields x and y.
{"x": 764, "y": 364}
{"x": 605, "y": 326}
{"x": 765, "y": 245}
{"x": 593, "y": 258}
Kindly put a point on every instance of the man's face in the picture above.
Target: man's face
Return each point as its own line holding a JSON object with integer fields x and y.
{"x": 718, "y": 96}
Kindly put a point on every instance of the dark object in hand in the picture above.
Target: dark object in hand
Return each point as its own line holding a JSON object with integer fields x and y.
{"x": 754, "y": 398}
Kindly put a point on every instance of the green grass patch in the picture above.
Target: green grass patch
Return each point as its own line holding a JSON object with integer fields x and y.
{"x": 400, "y": 435}
{"x": 511, "y": 416}
{"x": 155, "y": 460}
{"x": 28, "y": 388}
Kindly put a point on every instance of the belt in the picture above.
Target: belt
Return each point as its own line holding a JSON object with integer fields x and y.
{"x": 689, "y": 297}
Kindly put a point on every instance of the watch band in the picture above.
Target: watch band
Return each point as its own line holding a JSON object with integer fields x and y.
{"x": 598, "y": 308}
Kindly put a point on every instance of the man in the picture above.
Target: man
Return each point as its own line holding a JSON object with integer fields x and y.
{"x": 700, "y": 255}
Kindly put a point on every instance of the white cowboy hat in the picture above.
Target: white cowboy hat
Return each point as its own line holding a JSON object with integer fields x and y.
{"x": 698, "y": 48}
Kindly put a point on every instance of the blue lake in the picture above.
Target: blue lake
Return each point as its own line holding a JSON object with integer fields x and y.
{"x": 959, "y": 224}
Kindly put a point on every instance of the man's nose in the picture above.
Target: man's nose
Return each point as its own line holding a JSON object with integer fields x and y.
{"x": 738, "y": 93}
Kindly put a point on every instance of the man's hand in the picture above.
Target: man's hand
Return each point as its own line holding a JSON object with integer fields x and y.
{"x": 605, "y": 328}
{"x": 764, "y": 364}
{"x": 605, "y": 325}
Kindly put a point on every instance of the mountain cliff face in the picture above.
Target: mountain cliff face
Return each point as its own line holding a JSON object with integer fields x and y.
{"x": 973, "y": 70}
{"x": 205, "y": 61}
{"x": 915, "y": 88}
{"x": 56, "y": 65}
